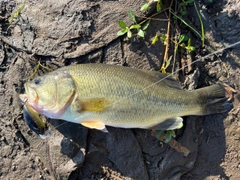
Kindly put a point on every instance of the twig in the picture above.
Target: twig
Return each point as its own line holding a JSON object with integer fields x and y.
{"x": 174, "y": 144}
{"x": 165, "y": 57}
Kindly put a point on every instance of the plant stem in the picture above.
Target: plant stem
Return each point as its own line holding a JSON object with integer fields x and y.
{"x": 184, "y": 22}
{"x": 202, "y": 26}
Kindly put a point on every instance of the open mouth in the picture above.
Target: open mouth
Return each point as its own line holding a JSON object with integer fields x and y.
{"x": 30, "y": 97}
{"x": 23, "y": 98}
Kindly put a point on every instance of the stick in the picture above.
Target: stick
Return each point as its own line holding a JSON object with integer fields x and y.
{"x": 174, "y": 144}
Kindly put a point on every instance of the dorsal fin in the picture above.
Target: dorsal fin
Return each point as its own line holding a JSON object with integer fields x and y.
{"x": 168, "y": 80}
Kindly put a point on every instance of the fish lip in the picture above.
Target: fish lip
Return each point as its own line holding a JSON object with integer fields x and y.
{"x": 25, "y": 98}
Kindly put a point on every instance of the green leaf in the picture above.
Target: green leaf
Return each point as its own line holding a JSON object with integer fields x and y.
{"x": 170, "y": 134}
{"x": 122, "y": 24}
{"x": 145, "y": 7}
{"x": 167, "y": 138}
{"x": 159, "y": 7}
{"x": 210, "y": 1}
{"x": 141, "y": 33}
{"x": 161, "y": 143}
{"x": 146, "y": 25}
{"x": 190, "y": 48}
{"x": 122, "y": 32}
{"x": 132, "y": 16}
{"x": 190, "y": 1}
{"x": 21, "y": 8}
{"x": 183, "y": 45}
{"x": 159, "y": 133}
{"x": 129, "y": 34}
{"x": 135, "y": 26}
{"x": 155, "y": 39}
{"x": 163, "y": 70}
{"x": 182, "y": 4}
{"x": 16, "y": 14}
{"x": 168, "y": 62}
{"x": 189, "y": 42}
{"x": 163, "y": 37}
{"x": 183, "y": 38}
{"x": 183, "y": 13}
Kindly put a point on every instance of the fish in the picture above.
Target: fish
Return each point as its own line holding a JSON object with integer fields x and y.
{"x": 100, "y": 95}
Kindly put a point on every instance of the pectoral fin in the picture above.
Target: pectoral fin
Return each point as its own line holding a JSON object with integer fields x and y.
{"x": 169, "y": 124}
{"x": 90, "y": 105}
{"x": 94, "y": 104}
{"x": 95, "y": 124}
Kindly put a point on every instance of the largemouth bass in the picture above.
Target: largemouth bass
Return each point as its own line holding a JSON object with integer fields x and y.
{"x": 96, "y": 95}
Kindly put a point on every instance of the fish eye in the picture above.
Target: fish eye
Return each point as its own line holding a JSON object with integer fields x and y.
{"x": 37, "y": 81}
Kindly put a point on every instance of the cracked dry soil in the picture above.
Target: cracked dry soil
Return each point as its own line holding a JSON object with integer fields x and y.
{"x": 64, "y": 32}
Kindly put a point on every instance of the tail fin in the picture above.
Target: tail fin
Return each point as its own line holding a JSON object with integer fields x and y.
{"x": 213, "y": 99}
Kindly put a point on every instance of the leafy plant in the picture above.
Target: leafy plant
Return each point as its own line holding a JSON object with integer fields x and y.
{"x": 165, "y": 65}
{"x": 155, "y": 39}
{"x": 184, "y": 22}
{"x": 158, "y": 6}
{"x": 182, "y": 40}
{"x": 183, "y": 6}
{"x": 169, "y": 134}
{"x": 136, "y": 26}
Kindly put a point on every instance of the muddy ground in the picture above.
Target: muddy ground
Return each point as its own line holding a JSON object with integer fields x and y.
{"x": 65, "y": 32}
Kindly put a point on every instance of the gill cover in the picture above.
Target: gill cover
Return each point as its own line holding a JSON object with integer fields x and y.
{"x": 51, "y": 94}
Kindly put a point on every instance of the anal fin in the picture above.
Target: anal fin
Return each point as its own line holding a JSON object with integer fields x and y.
{"x": 169, "y": 124}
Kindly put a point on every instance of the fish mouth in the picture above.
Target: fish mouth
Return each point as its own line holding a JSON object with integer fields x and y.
{"x": 30, "y": 97}
{"x": 23, "y": 98}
